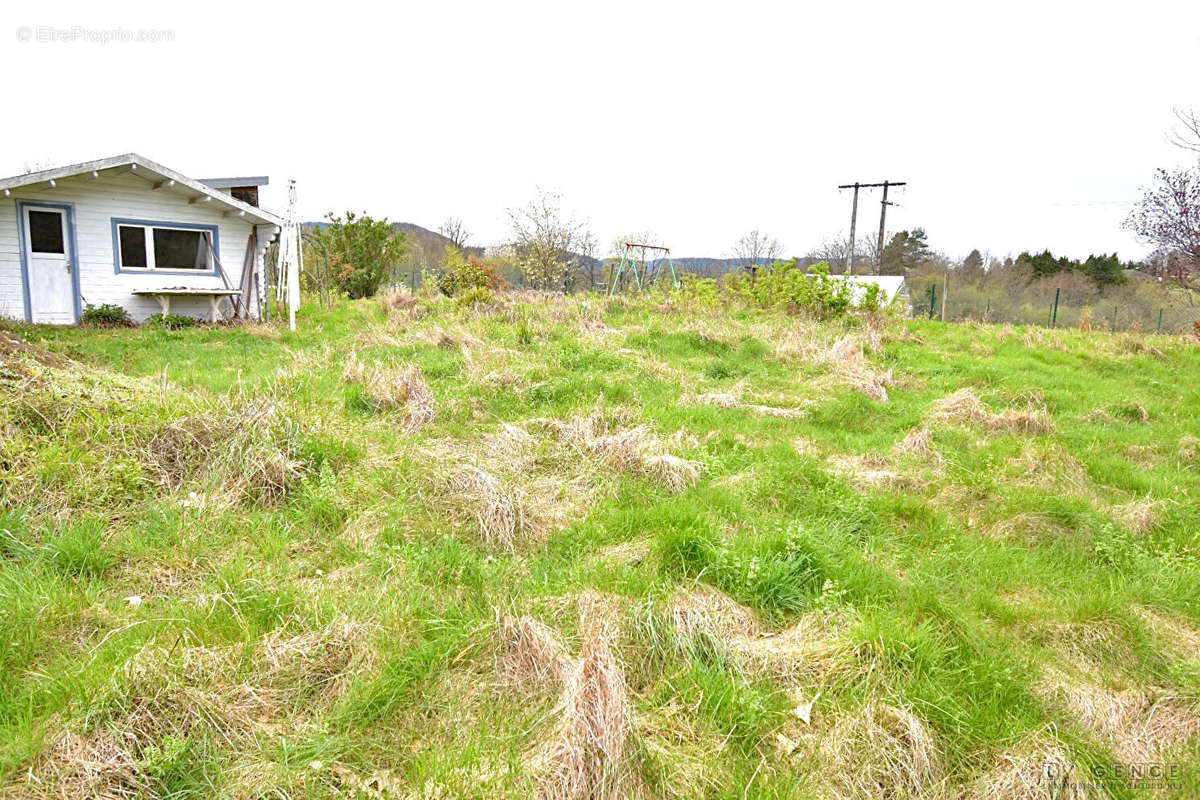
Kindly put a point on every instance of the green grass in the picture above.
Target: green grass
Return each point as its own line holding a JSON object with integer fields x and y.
{"x": 308, "y": 607}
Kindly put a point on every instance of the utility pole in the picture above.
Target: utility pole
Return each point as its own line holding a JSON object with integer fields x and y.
{"x": 882, "y": 214}
{"x": 853, "y": 222}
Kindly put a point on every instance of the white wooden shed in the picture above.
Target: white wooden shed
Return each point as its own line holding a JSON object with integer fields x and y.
{"x": 130, "y": 232}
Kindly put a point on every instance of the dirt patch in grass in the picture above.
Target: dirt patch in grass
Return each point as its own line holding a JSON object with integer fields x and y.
{"x": 14, "y": 348}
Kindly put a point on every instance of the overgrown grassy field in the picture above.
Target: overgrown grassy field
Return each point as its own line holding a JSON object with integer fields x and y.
{"x": 579, "y": 547}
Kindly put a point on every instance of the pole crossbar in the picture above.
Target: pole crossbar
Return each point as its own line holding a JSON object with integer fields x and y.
{"x": 885, "y": 185}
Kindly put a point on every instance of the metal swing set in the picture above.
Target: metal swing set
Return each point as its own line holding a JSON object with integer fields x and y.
{"x": 633, "y": 256}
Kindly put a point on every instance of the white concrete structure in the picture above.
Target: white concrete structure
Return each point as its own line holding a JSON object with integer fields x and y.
{"x": 891, "y": 287}
{"x": 124, "y": 231}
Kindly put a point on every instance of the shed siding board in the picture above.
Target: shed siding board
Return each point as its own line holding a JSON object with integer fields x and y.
{"x": 97, "y": 203}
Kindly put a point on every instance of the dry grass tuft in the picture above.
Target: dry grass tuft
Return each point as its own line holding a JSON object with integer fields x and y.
{"x": 718, "y": 399}
{"x": 1049, "y": 467}
{"x": 93, "y": 766}
{"x": 530, "y": 651}
{"x": 919, "y": 443}
{"x": 316, "y": 665}
{"x": 681, "y": 755}
{"x": 811, "y": 649}
{"x": 399, "y": 303}
{"x": 702, "y": 609}
{"x": 400, "y": 387}
{"x": 588, "y": 755}
{"x": 1180, "y": 637}
{"x": 635, "y": 450}
{"x": 798, "y": 344}
{"x": 500, "y": 512}
{"x": 730, "y": 400}
{"x": 848, "y": 360}
{"x": 1138, "y": 516}
{"x": 1031, "y": 527}
{"x": 246, "y": 452}
{"x": 1141, "y": 726}
{"x": 1037, "y": 769}
{"x": 510, "y": 441}
{"x": 964, "y": 407}
{"x": 1189, "y": 449}
{"x": 806, "y": 448}
{"x": 872, "y": 471}
{"x": 881, "y": 751}
{"x": 179, "y": 690}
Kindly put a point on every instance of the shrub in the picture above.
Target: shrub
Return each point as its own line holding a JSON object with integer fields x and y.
{"x": 171, "y": 321}
{"x": 787, "y": 287}
{"x": 461, "y": 274}
{"x": 476, "y": 295}
{"x": 108, "y": 315}
{"x": 354, "y": 253}
{"x": 697, "y": 291}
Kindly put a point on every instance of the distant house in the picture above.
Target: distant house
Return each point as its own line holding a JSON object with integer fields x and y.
{"x": 892, "y": 287}
{"x": 130, "y": 232}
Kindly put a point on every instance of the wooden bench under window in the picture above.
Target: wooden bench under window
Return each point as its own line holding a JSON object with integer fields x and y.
{"x": 163, "y": 296}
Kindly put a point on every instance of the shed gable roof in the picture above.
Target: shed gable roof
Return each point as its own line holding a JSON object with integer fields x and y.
{"x": 155, "y": 174}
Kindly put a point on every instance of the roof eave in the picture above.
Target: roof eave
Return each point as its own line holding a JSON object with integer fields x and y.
{"x": 133, "y": 159}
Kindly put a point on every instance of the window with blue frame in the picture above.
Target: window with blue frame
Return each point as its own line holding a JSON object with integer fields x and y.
{"x": 144, "y": 245}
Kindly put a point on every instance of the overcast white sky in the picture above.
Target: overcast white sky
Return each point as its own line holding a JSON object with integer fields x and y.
{"x": 1018, "y": 126}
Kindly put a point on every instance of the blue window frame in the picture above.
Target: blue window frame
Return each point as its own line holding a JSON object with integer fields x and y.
{"x": 140, "y": 244}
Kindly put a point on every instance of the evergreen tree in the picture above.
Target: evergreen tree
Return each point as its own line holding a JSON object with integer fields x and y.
{"x": 906, "y": 250}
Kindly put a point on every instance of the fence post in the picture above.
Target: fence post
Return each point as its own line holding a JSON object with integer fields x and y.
{"x": 987, "y": 315}
{"x": 1159, "y": 328}
{"x": 932, "y": 298}
{"x": 1114, "y": 322}
{"x": 1054, "y": 312}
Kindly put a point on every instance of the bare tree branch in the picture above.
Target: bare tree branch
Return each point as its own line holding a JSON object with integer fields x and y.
{"x": 1186, "y": 133}
{"x": 757, "y": 249}
{"x": 454, "y": 230}
{"x": 1168, "y": 216}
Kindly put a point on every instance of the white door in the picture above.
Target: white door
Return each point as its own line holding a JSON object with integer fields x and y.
{"x": 48, "y": 258}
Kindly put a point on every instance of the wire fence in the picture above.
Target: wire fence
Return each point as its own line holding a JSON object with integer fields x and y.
{"x": 1057, "y": 306}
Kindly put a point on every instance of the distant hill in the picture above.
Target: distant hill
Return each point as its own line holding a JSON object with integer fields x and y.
{"x": 421, "y": 240}
{"x": 429, "y": 246}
